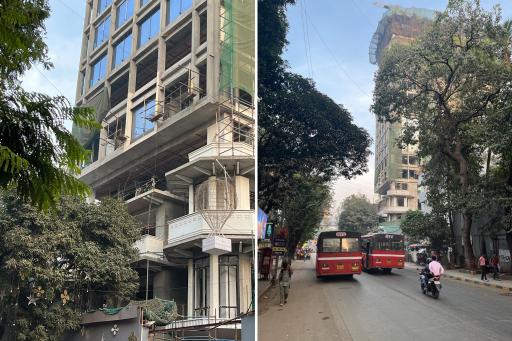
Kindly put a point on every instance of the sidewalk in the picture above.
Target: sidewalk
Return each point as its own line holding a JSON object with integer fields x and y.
{"x": 504, "y": 284}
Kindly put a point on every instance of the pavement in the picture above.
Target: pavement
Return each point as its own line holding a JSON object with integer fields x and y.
{"x": 505, "y": 282}
{"x": 377, "y": 306}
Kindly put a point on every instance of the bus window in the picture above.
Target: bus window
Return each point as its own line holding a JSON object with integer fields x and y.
{"x": 331, "y": 245}
{"x": 349, "y": 245}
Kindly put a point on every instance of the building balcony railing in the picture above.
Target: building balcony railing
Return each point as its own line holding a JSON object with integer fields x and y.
{"x": 222, "y": 149}
{"x": 401, "y": 193}
{"x": 193, "y": 226}
{"x": 150, "y": 247}
{"x": 393, "y": 209}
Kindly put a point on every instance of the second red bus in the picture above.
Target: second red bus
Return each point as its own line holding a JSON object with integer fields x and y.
{"x": 383, "y": 251}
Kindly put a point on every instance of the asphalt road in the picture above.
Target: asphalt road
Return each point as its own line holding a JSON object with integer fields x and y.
{"x": 382, "y": 307}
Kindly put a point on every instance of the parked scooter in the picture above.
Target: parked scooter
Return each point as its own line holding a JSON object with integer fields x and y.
{"x": 430, "y": 284}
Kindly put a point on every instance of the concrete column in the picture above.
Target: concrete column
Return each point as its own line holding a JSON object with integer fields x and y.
{"x": 213, "y": 290}
{"x": 190, "y": 199}
{"x": 190, "y": 287}
{"x": 213, "y": 61}
{"x": 194, "y": 72}
{"x": 244, "y": 282}
{"x": 243, "y": 193}
{"x": 129, "y": 114}
{"x": 161, "y": 222}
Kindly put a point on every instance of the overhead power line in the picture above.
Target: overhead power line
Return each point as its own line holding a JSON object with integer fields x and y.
{"x": 340, "y": 65}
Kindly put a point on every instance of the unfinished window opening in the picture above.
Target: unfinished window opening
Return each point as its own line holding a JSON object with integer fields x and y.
{"x": 203, "y": 28}
{"x": 242, "y": 133}
{"x": 141, "y": 294}
{"x": 178, "y": 96}
{"x": 115, "y": 134}
{"x": 245, "y": 97}
{"x": 178, "y": 46}
{"x": 119, "y": 90}
{"x": 202, "y": 79}
{"x": 201, "y": 286}
{"x": 146, "y": 70}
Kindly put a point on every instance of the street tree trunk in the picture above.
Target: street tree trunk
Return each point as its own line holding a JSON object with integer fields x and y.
{"x": 467, "y": 217}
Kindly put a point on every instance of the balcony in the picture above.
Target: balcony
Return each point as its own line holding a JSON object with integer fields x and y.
{"x": 401, "y": 193}
{"x": 212, "y": 150}
{"x": 188, "y": 229}
{"x": 393, "y": 209}
{"x": 151, "y": 248}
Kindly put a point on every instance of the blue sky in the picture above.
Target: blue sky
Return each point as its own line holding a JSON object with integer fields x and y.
{"x": 64, "y": 38}
{"x": 342, "y": 70}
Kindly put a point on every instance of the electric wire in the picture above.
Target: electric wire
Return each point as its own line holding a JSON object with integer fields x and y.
{"x": 338, "y": 63}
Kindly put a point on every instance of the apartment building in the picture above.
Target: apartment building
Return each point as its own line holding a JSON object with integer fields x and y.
{"x": 396, "y": 169}
{"x": 172, "y": 83}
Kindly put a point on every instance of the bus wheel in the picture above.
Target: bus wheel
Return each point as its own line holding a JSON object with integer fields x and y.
{"x": 387, "y": 270}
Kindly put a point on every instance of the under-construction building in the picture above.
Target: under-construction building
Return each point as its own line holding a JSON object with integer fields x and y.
{"x": 172, "y": 83}
{"x": 396, "y": 169}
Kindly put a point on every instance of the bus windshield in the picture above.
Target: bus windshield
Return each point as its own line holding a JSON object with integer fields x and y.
{"x": 340, "y": 245}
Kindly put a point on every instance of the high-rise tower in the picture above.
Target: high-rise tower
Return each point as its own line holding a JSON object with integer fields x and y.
{"x": 396, "y": 169}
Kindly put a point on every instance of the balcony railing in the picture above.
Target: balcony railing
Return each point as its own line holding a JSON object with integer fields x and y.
{"x": 193, "y": 226}
{"x": 222, "y": 148}
{"x": 150, "y": 247}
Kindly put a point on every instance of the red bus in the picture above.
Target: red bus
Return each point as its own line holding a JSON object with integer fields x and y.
{"x": 338, "y": 253}
{"x": 383, "y": 251}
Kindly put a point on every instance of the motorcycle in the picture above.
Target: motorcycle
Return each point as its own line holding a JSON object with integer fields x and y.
{"x": 430, "y": 285}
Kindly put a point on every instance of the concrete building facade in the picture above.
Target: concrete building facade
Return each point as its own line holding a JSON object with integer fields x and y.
{"x": 396, "y": 169}
{"x": 172, "y": 83}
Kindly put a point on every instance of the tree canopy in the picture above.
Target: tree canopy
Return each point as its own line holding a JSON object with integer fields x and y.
{"x": 58, "y": 264}
{"x": 39, "y": 157}
{"x": 357, "y": 214}
{"x": 445, "y": 84}
{"x": 418, "y": 226}
{"x": 305, "y": 139}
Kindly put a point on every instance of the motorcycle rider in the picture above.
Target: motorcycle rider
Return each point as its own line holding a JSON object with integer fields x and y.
{"x": 426, "y": 275}
{"x": 436, "y": 269}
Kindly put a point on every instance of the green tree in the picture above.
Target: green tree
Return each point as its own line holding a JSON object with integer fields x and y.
{"x": 300, "y": 130}
{"x": 418, "y": 226}
{"x": 358, "y": 214}
{"x": 445, "y": 84}
{"x": 302, "y": 213}
{"x": 38, "y": 155}
{"x": 58, "y": 264}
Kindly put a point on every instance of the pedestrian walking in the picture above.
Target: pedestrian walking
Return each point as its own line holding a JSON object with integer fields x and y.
{"x": 285, "y": 276}
{"x": 495, "y": 262}
{"x": 483, "y": 266}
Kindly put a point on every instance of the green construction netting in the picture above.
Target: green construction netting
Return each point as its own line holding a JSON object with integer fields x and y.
{"x": 394, "y": 163}
{"x": 160, "y": 311}
{"x": 237, "y": 60}
{"x": 101, "y": 104}
{"x": 111, "y": 311}
{"x": 156, "y": 309}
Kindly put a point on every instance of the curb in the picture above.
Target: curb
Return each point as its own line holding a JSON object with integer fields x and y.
{"x": 474, "y": 281}
{"x": 470, "y": 280}
{"x": 264, "y": 291}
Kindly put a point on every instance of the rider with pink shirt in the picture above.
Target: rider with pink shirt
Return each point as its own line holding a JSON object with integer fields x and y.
{"x": 435, "y": 267}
